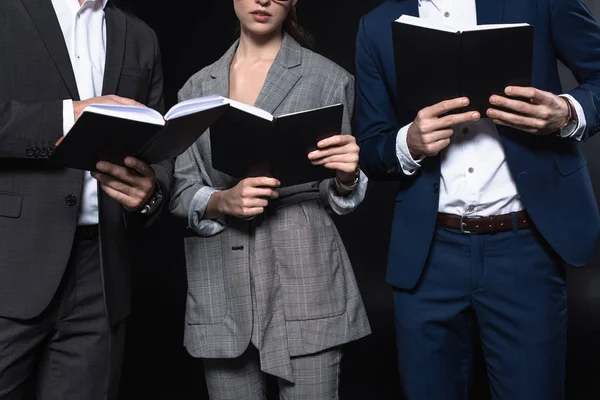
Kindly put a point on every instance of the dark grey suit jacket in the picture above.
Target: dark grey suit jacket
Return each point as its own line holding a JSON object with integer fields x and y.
{"x": 37, "y": 224}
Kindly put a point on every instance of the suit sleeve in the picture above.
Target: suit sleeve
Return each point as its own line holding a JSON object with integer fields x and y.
{"x": 576, "y": 38}
{"x": 375, "y": 117}
{"x": 164, "y": 169}
{"x": 29, "y": 130}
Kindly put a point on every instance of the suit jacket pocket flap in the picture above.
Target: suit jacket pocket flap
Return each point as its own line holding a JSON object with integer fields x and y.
{"x": 10, "y": 205}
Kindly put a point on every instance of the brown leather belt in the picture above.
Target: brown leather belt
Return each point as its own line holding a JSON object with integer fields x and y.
{"x": 479, "y": 225}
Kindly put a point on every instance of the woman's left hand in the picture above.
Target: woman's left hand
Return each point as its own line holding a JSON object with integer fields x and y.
{"x": 339, "y": 153}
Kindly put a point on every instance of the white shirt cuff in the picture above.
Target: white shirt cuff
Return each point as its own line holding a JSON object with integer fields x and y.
{"x": 68, "y": 116}
{"x": 577, "y": 132}
{"x": 408, "y": 164}
{"x": 342, "y": 205}
{"x": 196, "y": 222}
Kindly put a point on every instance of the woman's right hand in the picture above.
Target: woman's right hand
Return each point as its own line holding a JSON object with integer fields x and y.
{"x": 248, "y": 198}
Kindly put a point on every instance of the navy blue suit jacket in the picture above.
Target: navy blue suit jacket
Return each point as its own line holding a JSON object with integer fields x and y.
{"x": 550, "y": 172}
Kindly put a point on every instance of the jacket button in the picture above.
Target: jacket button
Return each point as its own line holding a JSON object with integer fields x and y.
{"x": 29, "y": 152}
{"x": 436, "y": 188}
{"x": 44, "y": 152}
{"x": 71, "y": 200}
{"x": 36, "y": 153}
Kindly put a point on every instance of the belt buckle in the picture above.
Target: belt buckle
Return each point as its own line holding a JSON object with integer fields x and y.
{"x": 463, "y": 224}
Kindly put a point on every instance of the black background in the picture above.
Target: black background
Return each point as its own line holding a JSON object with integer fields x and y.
{"x": 194, "y": 34}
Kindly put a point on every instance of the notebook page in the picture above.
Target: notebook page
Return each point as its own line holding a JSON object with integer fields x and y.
{"x": 410, "y": 20}
{"x": 250, "y": 109}
{"x": 133, "y": 113}
{"x": 194, "y": 105}
{"x": 494, "y": 26}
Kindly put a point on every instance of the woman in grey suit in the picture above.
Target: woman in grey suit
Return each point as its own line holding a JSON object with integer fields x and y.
{"x": 270, "y": 286}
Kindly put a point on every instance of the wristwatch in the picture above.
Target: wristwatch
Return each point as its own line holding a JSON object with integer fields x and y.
{"x": 152, "y": 204}
{"x": 569, "y": 127}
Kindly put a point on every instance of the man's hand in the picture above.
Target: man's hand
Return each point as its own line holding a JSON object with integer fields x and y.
{"x": 245, "y": 200}
{"x": 429, "y": 134}
{"x": 78, "y": 106}
{"x": 545, "y": 113}
{"x": 132, "y": 186}
{"x": 339, "y": 153}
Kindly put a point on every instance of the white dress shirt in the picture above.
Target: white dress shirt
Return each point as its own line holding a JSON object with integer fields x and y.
{"x": 84, "y": 30}
{"x": 475, "y": 178}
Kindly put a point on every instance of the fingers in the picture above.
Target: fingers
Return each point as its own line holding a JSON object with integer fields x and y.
{"x": 345, "y": 158}
{"x": 139, "y": 191}
{"x": 121, "y": 100}
{"x": 124, "y": 174}
{"x": 518, "y": 106}
{"x": 127, "y": 181}
{"x": 514, "y": 119}
{"x": 248, "y": 213}
{"x": 348, "y": 153}
{"x": 536, "y": 95}
{"x": 261, "y": 182}
{"x": 452, "y": 120}
{"x": 141, "y": 167}
{"x": 253, "y": 192}
{"x": 119, "y": 196}
{"x": 337, "y": 141}
{"x": 443, "y": 107}
{"x": 131, "y": 201}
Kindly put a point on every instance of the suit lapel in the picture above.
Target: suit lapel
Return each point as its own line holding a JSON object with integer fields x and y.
{"x": 282, "y": 76}
{"x": 490, "y": 11}
{"x": 116, "y": 33}
{"x": 43, "y": 16}
{"x": 411, "y": 7}
{"x": 219, "y": 84}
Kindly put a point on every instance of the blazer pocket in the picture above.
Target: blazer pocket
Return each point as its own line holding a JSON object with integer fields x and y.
{"x": 311, "y": 273}
{"x": 569, "y": 159}
{"x": 10, "y": 205}
{"x": 206, "y": 300}
{"x": 134, "y": 83}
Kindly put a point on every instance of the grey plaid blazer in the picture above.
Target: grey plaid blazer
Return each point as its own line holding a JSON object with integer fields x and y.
{"x": 282, "y": 281}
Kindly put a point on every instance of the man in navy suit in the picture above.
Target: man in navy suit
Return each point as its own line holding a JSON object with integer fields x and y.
{"x": 491, "y": 208}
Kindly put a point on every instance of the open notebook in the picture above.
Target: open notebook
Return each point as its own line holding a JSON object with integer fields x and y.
{"x": 435, "y": 62}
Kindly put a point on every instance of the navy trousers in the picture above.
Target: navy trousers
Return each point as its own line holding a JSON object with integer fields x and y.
{"x": 512, "y": 285}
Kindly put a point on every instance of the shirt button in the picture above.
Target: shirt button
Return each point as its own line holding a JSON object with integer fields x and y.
{"x": 471, "y": 170}
{"x": 71, "y": 200}
{"x": 446, "y": 14}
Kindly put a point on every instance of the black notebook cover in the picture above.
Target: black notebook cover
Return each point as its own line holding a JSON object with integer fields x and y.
{"x": 432, "y": 65}
{"x": 97, "y": 137}
{"x": 244, "y": 145}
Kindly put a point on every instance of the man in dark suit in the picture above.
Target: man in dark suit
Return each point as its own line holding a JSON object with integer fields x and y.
{"x": 490, "y": 207}
{"x": 64, "y": 263}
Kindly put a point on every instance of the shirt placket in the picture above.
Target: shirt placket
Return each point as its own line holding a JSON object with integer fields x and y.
{"x": 470, "y": 169}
